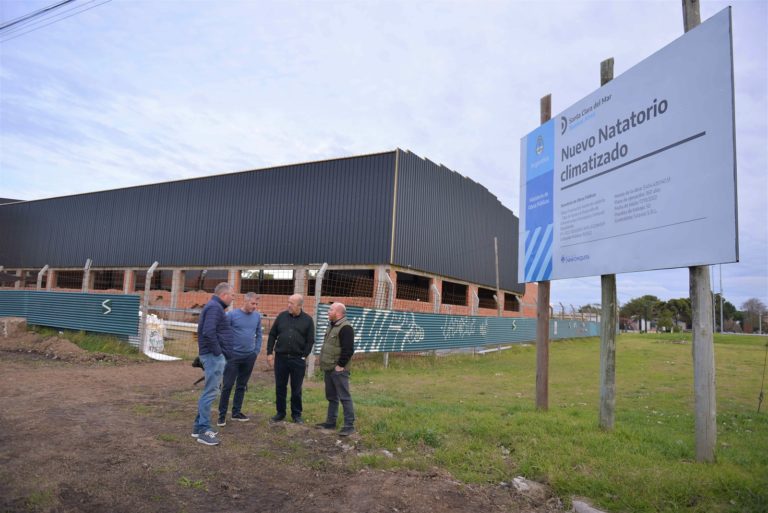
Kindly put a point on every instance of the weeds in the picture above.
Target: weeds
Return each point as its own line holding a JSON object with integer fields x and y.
{"x": 476, "y": 418}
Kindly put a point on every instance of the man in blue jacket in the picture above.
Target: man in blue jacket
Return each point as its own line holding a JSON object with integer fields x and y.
{"x": 246, "y": 344}
{"x": 214, "y": 340}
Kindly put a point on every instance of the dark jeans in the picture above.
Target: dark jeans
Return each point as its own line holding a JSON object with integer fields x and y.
{"x": 238, "y": 369}
{"x": 337, "y": 389}
{"x": 293, "y": 368}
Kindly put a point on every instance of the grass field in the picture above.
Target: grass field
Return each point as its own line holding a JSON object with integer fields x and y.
{"x": 476, "y": 418}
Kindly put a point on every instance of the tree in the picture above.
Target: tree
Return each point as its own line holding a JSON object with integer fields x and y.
{"x": 681, "y": 310}
{"x": 645, "y": 307}
{"x": 729, "y": 311}
{"x": 752, "y": 310}
{"x": 591, "y": 309}
{"x": 665, "y": 320}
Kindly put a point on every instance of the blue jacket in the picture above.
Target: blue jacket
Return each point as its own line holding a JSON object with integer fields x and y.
{"x": 214, "y": 332}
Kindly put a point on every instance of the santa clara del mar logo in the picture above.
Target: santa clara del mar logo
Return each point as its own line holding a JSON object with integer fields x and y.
{"x": 539, "y": 145}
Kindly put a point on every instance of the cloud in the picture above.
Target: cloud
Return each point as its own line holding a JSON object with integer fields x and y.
{"x": 128, "y": 94}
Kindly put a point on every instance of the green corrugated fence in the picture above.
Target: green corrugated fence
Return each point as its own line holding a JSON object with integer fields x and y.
{"x": 386, "y": 331}
{"x": 100, "y": 313}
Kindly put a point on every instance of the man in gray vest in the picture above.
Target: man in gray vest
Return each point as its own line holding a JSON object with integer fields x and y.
{"x": 335, "y": 359}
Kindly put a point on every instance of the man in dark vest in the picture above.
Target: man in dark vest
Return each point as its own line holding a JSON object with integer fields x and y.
{"x": 335, "y": 359}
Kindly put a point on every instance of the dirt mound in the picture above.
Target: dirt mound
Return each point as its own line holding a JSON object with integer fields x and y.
{"x": 57, "y": 348}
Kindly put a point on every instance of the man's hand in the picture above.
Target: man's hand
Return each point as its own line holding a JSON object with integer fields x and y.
{"x": 271, "y": 360}
{"x": 339, "y": 369}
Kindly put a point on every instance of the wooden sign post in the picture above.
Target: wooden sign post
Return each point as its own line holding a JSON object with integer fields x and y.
{"x": 703, "y": 341}
{"x": 608, "y": 316}
{"x": 542, "y": 311}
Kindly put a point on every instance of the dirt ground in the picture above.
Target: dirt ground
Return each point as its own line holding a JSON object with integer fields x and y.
{"x": 89, "y": 432}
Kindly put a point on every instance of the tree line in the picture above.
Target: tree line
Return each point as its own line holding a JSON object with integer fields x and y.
{"x": 675, "y": 314}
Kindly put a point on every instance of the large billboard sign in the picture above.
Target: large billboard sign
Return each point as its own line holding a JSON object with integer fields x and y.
{"x": 639, "y": 175}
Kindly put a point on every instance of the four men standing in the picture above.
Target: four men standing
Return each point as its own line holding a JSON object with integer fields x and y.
{"x": 229, "y": 344}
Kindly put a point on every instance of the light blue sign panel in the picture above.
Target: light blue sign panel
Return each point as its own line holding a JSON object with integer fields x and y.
{"x": 387, "y": 331}
{"x": 100, "y": 313}
{"x": 640, "y": 174}
{"x": 539, "y": 161}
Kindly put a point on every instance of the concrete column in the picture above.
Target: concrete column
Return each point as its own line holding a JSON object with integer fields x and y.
{"x": 19, "y": 284}
{"x": 91, "y": 279}
{"x": 129, "y": 278}
{"x": 437, "y": 301}
{"x": 233, "y": 278}
{"x": 381, "y": 287}
{"x": 51, "y": 279}
{"x": 474, "y": 300}
{"x": 177, "y": 287}
{"x": 300, "y": 281}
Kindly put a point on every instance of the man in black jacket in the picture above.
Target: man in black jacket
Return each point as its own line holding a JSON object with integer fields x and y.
{"x": 291, "y": 339}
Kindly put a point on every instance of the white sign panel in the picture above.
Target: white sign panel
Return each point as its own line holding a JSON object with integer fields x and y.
{"x": 639, "y": 175}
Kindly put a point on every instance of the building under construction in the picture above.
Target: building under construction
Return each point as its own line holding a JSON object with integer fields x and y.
{"x": 395, "y": 230}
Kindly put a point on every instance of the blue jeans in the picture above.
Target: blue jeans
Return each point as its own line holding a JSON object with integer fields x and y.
{"x": 288, "y": 368}
{"x": 239, "y": 368}
{"x": 214, "y": 370}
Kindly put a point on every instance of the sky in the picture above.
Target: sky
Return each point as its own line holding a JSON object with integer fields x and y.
{"x": 130, "y": 92}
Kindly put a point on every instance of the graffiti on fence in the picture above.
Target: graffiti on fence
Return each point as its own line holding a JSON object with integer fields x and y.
{"x": 384, "y": 331}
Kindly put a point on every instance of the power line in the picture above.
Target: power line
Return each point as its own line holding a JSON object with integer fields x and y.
{"x": 56, "y": 20}
{"x": 29, "y": 16}
{"x": 42, "y": 19}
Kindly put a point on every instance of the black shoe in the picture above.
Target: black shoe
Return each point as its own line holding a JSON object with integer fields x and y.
{"x": 346, "y": 431}
{"x": 298, "y": 420}
{"x": 222, "y": 421}
{"x": 326, "y": 425}
{"x": 277, "y": 418}
{"x": 240, "y": 416}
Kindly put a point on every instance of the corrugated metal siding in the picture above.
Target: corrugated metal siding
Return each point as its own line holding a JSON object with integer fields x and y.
{"x": 74, "y": 311}
{"x": 336, "y": 211}
{"x": 561, "y": 328}
{"x": 446, "y": 223}
{"x": 382, "y": 331}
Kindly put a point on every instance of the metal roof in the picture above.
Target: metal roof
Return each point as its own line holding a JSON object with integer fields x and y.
{"x": 346, "y": 211}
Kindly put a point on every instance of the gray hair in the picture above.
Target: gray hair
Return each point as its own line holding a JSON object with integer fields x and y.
{"x": 251, "y": 295}
{"x": 222, "y": 287}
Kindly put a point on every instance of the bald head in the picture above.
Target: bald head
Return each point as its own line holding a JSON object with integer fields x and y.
{"x": 295, "y": 302}
{"x": 336, "y": 312}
